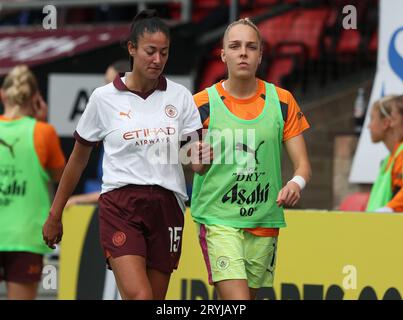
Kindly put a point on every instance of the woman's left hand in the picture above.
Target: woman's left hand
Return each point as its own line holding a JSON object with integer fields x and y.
{"x": 289, "y": 195}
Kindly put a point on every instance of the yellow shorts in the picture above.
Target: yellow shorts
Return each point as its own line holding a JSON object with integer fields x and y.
{"x": 233, "y": 253}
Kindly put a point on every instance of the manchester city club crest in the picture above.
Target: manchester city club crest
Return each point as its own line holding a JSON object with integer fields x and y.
{"x": 171, "y": 111}
{"x": 223, "y": 263}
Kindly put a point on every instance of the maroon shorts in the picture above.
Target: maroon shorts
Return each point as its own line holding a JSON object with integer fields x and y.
{"x": 21, "y": 267}
{"x": 142, "y": 220}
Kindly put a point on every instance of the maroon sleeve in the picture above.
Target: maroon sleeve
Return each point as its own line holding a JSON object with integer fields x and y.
{"x": 85, "y": 142}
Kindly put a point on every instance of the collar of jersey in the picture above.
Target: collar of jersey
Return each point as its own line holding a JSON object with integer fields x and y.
{"x": 119, "y": 85}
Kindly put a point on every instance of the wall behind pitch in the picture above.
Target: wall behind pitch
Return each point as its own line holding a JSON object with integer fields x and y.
{"x": 321, "y": 255}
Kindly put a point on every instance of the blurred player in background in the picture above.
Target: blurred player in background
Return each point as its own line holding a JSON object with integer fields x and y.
{"x": 142, "y": 201}
{"x": 238, "y": 207}
{"x": 396, "y": 123}
{"x": 386, "y": 193}
{"x": 30, "y": 156}
{"x": 397, "y": 117}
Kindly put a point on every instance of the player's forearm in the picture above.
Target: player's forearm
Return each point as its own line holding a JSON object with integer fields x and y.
{"x": 297, "y": 151}
{"x": 303, "y": 169}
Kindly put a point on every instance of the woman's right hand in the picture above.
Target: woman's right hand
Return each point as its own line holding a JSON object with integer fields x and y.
{"x": 52, "y": 231}
{"x": 201, "y": 156}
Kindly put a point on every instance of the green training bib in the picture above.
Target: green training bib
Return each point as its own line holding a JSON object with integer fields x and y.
{"x": 242, "y": 184}
{"x": 381, "y": 191}
{"x": 24, "y": 195}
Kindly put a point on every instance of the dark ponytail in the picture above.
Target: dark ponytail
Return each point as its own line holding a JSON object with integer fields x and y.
{"x": 146, "y": 21}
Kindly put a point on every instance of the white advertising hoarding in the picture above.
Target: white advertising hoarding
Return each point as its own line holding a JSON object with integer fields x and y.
{"x": 389, "y": 80}
{"x": 68, "y": 95}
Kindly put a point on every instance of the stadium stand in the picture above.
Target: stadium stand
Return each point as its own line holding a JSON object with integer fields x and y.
{"x": 306, "y": 39}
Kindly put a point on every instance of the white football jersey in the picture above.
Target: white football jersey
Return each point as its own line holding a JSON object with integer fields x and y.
{"x": 140, "y": 134}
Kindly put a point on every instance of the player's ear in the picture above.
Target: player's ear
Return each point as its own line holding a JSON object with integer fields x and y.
{"x": 223, "y": 56}
{"x": 131, "y": 48}
{"x": 261, "y": 53}
{"x": 386, "y": 123}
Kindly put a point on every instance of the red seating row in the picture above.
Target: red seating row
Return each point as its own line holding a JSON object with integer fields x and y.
{"x": 296, "y": 33}
{"x": 297, "y": 37}
{"x": 304, "y": 27}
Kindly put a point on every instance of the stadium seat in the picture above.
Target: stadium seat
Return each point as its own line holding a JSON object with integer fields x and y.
{"x": 214, "y": 71}
{"x": 294, "y": 36}
{"x": 349, "y": 42}
{"x": 299, "y": 28}
{"x": 279, "y": 68}
{"x": 356, "y": 201}
{"x": 277, "y": 29}
{"x": 332, "y": 18}
{"x": 308, "y": 28}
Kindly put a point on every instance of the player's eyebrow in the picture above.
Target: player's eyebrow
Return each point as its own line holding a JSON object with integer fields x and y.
{"x": 240, "y": 41}
{"x": 151, "y": 46}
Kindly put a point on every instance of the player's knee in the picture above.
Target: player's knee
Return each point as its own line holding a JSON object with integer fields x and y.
{"x": 137, "y": 294}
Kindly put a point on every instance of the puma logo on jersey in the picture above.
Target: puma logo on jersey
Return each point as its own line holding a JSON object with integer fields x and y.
{"x": 125, "y": 114}
{"x": 243, "y": 147}
{"x": 10, "y": 147}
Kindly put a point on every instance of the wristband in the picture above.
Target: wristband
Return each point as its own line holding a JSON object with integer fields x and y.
{"x": 299, "y": 181}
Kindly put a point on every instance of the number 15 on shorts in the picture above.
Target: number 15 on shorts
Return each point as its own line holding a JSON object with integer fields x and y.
{"x": 175, "y": 234}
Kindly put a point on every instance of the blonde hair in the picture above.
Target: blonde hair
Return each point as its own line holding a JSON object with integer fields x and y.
{"x": 384, "y": 105}
{"x": 19, "y": 85}
{"x": 245, "y": 22}
{"x": 398, "y": 103}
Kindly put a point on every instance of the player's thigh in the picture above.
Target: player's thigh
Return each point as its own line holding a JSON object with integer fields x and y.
{"x": 22, "y": 271}
{"x": 164, "y": 222}
{"x": 223, "y": 252}
{"x": 260, "y": 260}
